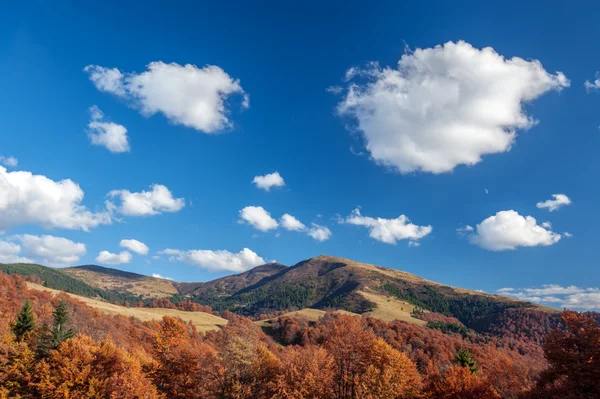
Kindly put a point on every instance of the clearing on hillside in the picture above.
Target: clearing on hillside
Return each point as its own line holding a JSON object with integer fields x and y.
{"x": 203, "y": 321}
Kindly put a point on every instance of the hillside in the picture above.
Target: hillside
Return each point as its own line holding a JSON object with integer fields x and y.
{"x": 203, "y": 321}
{"x": 119, "y": 281}
{"x": 327, "y": 282}
{"x": 321, "y": 283}
{"x": 60, "y": 280}
{"x": 229, "y": 285}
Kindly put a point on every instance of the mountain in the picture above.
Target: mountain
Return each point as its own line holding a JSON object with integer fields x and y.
{"x": 229, "y": 285}
{"x": 327, "y": 282}
{"x": 321, "y": 283}
{"x": 119, "y": 281}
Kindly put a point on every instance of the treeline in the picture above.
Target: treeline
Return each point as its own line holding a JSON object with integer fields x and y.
{"x": 339, "y": 357}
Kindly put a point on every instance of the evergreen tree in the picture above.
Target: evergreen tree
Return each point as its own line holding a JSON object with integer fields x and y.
{"x": 465, "y": 359}
{"x": 25, "y": 321}
{"x": 51, "y": 338}
{"x": 60, "y": 332}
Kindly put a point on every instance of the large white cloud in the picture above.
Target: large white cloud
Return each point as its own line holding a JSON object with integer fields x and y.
{"x": 445, "y": 106}
{"x": 109, "y": 258}
{"x": 50, "y": 250}
{"x": 557, "y": 201}
{"x": 185, "y": 94}
{"x": 135, "y": 246}
{"x": 258, "y": 217}
{"x": 268, "y": 181}
{"x": 388, "y": 230}
{"x": 507, "y": 230}
{"x": 27, "y": 198}
{"x": 156, "y": 201}
{"x": 217, "y": 260}
{"x": 107, "y": 134}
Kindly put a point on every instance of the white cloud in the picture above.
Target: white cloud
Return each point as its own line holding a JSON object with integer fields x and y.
{"x": 156, "y": 275}
{"x": 486, "y": 191}
{"x": 319, "y": 233}
{"x": 259, "y": 218}
{"x": 463, "y": 231}
{"x": 588, "y": 300}
{"x": 572, "y": 296}
{"x": 335, "y": 90}
{"x": 217, "y": 260}
{"x": 445, "y": 106}
{"x": 507, "y": 230}
{"x": 11, "y": 162}
{"x": 289, "y": 222}
{"x": 154, "y": 202}
{"x": 592, "y": 86}
{"x": 505, "y": 290}
{"x": 107, "y": 134}
{"x": 50, "y": 250}
{"x": 388, "y": 230}
{"x": 135, "y": 246}
{"x": 558, "y": 201}
{"x": 567, "y": 234}
{"x": 269, "y": 180}
{"x": 27, "y": 198}
{"x": 186, "y": 95}
{"x": 414, "y": 244}
{"x": 109, "y": 258}
{"x": 10, "y": 253}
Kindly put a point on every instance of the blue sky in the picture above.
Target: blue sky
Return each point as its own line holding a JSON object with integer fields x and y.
{"x": 284, "y": 58}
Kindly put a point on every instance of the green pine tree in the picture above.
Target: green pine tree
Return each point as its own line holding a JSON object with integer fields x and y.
{"x": 465, "y": 359}
{"x": 25, "y": 321}
{"x": 60, "y": 332}
{"x": 51, "y": 338}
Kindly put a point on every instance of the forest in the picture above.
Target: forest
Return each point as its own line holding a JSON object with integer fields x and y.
{"x": 56, "y": 347}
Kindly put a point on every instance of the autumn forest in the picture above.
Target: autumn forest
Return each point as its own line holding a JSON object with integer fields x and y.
{"x": 57, "y": 347}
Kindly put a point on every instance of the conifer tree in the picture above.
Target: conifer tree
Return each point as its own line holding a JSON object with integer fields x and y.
{"x": 60, "y": 332}
{"x": 51, "y": 338}
{"x": 465, "y": 359}
{"x": 25, "y": 321}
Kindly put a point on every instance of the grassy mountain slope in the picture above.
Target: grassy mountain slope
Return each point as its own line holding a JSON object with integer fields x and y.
{"x": 202, "y": 321}
{"x": 123, "y": 282}
{"x": 59, "y": 280}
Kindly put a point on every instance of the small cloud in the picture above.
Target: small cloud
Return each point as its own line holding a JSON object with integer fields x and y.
{"x": 258, "y": 217}
{"x": 388, "y": 231}
{"x": 146, "y": 203}
{"x": 107, "y": 134}
{"x": 486, "y": 190}
{"x": 567, "y": 234}
{"x": 335, "y": 90}
{"x": 156, "y": 275}
{"x": 558, "y": 201}
{"x": 592, "y": 86}
{"x": 463, "y": 231}
{"x": 109, "y": 258}
{"x": 11, "y": 161}
{"x": 136, "y": 246}
{"x": 319, "y": 233}
{"x": 414, "y": 244}
{"x": 268, "y": 181}
{"x": 508, "y": 230}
